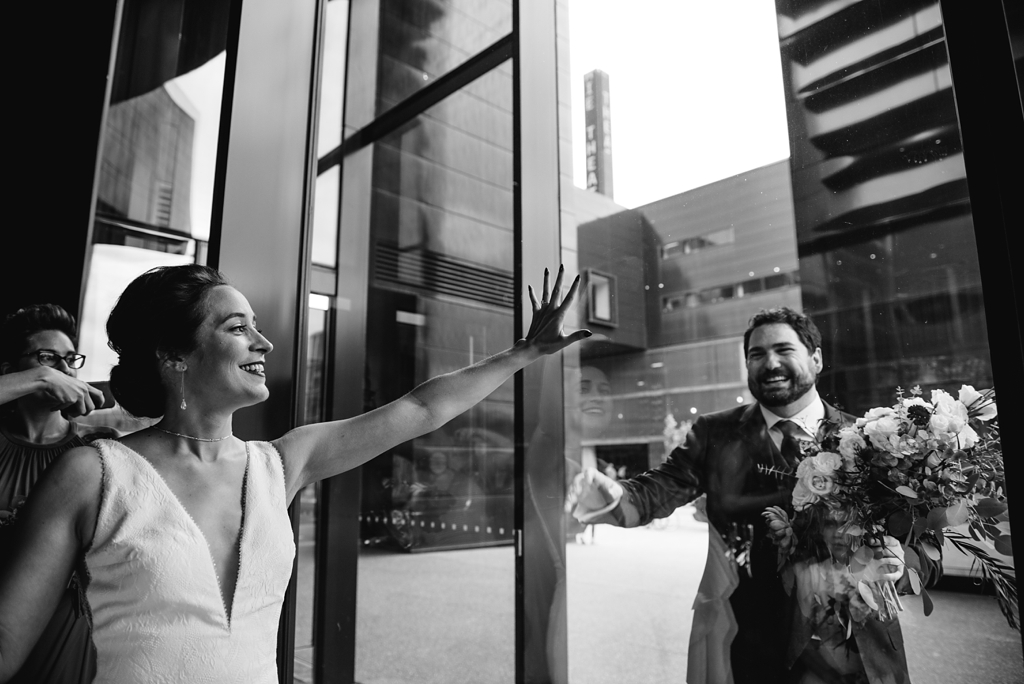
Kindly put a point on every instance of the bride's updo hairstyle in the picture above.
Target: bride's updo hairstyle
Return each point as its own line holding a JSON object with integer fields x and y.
{"x": 160, "y": 311}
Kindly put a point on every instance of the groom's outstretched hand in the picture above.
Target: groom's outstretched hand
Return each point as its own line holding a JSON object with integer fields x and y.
{"x": 596, "y": 494}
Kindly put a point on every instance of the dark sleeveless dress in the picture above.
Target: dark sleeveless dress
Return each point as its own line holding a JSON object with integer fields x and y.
{"x": 64, "y": 653}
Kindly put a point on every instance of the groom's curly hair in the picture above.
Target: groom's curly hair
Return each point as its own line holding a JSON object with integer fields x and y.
{"x": 801, "y": 324}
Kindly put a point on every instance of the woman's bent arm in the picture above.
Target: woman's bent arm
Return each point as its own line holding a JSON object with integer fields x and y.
{"x": 42, "y": 547}
{"x": 318, "y": 451}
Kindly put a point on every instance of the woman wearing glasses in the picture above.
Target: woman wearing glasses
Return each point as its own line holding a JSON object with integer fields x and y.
{"x": 38, "y": 392}
{"x": 183, "y": 526}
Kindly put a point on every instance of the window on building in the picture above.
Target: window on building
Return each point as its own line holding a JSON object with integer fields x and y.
{"x": 677, "y": 248}
{"x": 602, "y": 298}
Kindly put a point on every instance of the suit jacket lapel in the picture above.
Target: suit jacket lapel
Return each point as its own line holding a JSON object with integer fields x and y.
{"x": 834, "y": 419}
{"x": 755, "y": 433}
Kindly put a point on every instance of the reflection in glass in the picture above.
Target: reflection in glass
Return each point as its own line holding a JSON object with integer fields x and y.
{"x": 332, "y": 76}
{"x": 329, "y": 133}
{"x": 884, "y": 225}
{"x": 424, "y": 39}
{"x": 867, "y": 227}
{"x": 155, "y": 192}
{"x": 440, "y": 298}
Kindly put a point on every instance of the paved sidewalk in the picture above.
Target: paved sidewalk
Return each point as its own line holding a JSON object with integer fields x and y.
{"x": 448, "y": 617}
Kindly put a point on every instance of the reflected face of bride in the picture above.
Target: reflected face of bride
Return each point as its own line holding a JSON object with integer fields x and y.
{"x": 227, "y": 368}
{"x": 595, "y": 402}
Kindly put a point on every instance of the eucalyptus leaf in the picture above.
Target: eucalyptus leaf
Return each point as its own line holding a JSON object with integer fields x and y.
{"x": 900, "y": 523}
{"x": 930, "y": 551}
{"x": 867, "y": 594}
{"x": 907, "y": 491}
{"x": 911, "y": 558}
{"x": 990, "y": 508}
{"x": 926, "y": 600}
{"x": 1003, "y": 546}
{"x": 915, "y": 580}
{"x": 958, "y": 513}
{"x": 937, "y": 518}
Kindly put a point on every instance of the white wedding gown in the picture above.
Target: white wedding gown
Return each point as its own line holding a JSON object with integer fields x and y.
{"x": 158, "y": 612}
{"x": 714, "y": 624}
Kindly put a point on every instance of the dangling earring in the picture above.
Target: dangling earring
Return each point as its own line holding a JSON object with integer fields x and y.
{"x": 183, "y": 404}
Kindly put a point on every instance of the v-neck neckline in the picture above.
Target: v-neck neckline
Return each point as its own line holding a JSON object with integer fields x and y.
{"x": 228, "y": 610}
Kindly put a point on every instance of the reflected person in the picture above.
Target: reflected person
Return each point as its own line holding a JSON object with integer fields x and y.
{"x": 183, "y": 526}
{"x": 40, "y": 397}
{"x": 588, "y": 420}
{"x": 745, "y": 629}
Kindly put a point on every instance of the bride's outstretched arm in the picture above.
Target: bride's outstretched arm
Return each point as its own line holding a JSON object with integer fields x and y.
{"x": 318, "y": 451}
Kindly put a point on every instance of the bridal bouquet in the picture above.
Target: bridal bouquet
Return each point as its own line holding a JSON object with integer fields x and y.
{"x": 879, "y": 500}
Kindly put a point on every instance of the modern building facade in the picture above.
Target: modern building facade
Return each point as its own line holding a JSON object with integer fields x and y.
{"x": 685, "y": 274}
{"x": 382, "y": 179}
{"x": 878, "y": 169}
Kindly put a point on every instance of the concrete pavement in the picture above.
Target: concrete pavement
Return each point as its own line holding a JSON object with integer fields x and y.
{"x": 448, "y": 617}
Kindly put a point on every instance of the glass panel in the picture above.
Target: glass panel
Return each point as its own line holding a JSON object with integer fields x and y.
{"x": 316, "y": 372}
{"x": 819, "y": 169}
{"x": 422, "y": 40}
{"x": 332, "y": 107}
{"x": 155, "y": 192}
{"x": 332, "y": 76}
{"x": 441, "y": 298}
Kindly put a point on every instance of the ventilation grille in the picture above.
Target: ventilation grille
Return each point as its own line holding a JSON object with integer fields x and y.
{"x": 442, "y": 274}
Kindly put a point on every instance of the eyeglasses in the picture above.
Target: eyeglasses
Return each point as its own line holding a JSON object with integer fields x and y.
{"x": 48, "y": 357}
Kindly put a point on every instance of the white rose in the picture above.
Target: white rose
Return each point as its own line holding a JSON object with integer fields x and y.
{"x": 826, "y": 462}
{"x": 874, "y": 414}
{"x": 953, "y": 410}
{"x": 802, "y": 496}
{"x": 881, "y": 430}
{"x": 814, "y": 479}
{"x": 850, "y": 443}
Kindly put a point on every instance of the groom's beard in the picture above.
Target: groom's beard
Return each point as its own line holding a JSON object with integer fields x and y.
{"x": 800, "y": 383}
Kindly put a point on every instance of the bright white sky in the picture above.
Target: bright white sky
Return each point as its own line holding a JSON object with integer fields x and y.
{"x": 696, "y": 90}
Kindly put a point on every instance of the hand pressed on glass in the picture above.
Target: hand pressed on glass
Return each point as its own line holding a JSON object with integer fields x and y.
{"x": 545, "y": 334}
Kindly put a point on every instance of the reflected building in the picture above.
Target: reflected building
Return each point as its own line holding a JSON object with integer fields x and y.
{"x": 671, "y": 287}
{"x": 146, "y": 167}
{"x": 441, "y": 287}
{"x": 877, "y": 172}
{"x": 143, "y": 212}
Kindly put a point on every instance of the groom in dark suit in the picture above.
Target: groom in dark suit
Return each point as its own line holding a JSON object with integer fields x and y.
{"x": 721, "y": 457}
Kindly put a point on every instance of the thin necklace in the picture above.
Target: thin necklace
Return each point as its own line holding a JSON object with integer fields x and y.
{"x": 198, "y": 439}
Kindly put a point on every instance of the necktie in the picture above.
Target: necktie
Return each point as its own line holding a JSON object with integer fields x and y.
{"x": 790, "y": 447}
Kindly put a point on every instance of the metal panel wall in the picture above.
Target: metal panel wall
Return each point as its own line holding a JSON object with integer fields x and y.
{"x": 259, "y": 237}
{"x": 257, "y": 241}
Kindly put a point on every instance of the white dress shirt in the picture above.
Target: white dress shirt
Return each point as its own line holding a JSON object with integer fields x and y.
{"x": 808, "y": 420}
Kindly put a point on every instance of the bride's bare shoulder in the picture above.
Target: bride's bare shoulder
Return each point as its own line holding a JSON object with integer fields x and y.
{"x": 77, "y": 468}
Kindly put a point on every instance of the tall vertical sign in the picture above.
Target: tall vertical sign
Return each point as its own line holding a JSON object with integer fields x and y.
{"x": 598, "y": 132}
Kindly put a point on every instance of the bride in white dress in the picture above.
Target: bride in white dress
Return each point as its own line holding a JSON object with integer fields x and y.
{"x": 183, "y": 527}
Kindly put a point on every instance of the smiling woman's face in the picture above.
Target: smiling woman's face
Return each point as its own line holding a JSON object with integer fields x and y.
{"x": 226, "y": 370}
{"x": 595, "y": 402}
